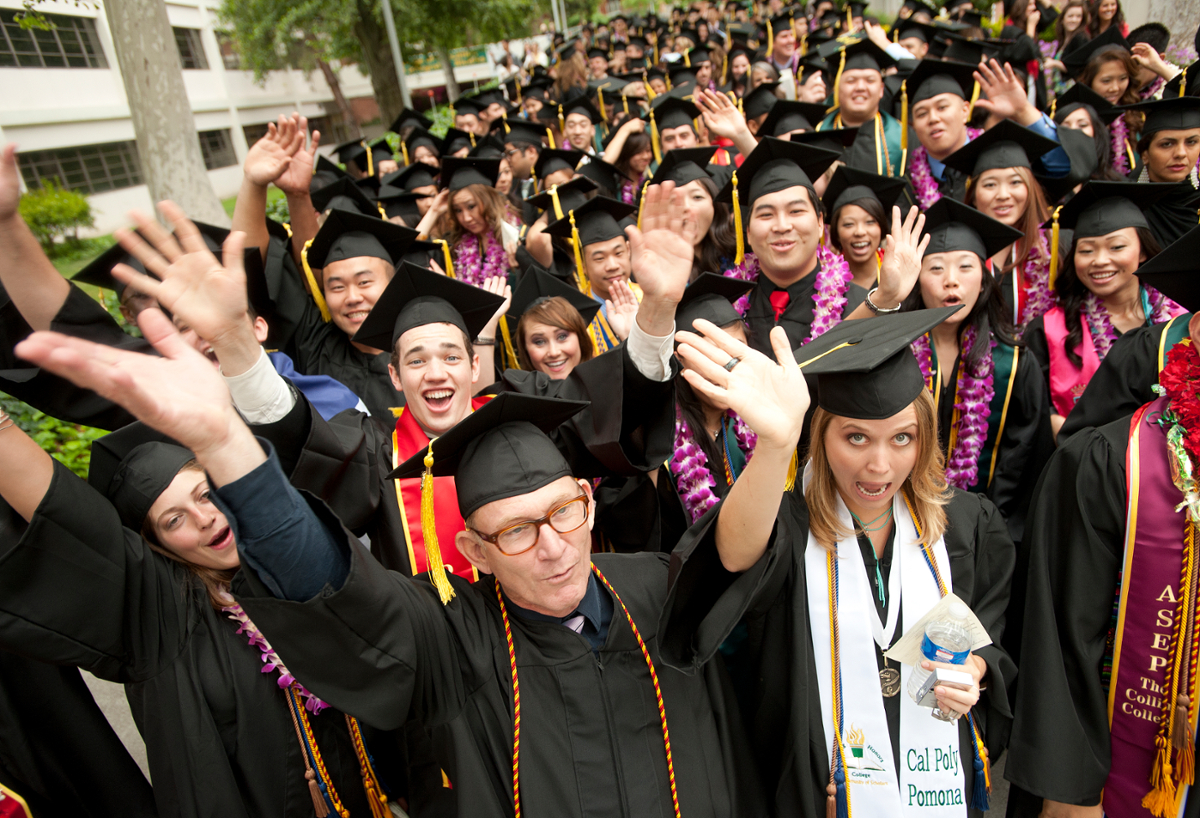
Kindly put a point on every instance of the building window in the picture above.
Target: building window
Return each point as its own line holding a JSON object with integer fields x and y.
{"x": 191, "y": 49}
{"x": 71, "y": 42}
{"x": 217, "y": 149}
{"x": 86, "y": 168}
{"x": 229, "y": 53}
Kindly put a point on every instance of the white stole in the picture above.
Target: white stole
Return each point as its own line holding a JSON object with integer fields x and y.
{"x": 931, "y": 782}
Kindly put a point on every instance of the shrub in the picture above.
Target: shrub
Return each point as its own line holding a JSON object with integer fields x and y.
{"x": 52, "y": 212}
{"x": 69, "y": 443}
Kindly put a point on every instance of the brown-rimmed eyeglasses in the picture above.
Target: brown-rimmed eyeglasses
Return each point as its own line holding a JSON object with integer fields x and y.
{"x": 518, "y": 538}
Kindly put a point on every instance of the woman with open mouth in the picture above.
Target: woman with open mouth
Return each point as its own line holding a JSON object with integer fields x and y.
{"x": 859, "y": 203}
{"x": 127, "y": 575}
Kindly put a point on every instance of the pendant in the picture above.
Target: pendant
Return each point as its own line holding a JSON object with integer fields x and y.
{"x": 889, "y": 682}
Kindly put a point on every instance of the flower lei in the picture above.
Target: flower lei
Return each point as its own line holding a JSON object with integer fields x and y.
{"x": 470, "y": 268}
{"x": 921, "y": 175}
{"x": 1153, "y": 88}
{"x": 690, "y": 465}
{"x": 973, "y": 395}
{"x": 1039, "y": 298}
{"x": 1178, "y": 381}
{"x": 629, "y": 190}
{"x": 1100, "y": 324}
{"x": 829, "y": 298}
{"x": 1120, "y": 131}
{"x": 271, "y": 660}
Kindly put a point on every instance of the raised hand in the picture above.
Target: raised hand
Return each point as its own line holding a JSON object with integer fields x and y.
{"x": 663, "y": 247}
{"x": 1005, "y": 94}
{"x": 770, "y": 396}
{"x": 297, "y": 176}
{"x": 812, "y": 89}
{"x": 496, "y": 285}
{"x": 10, "y": 182}
{"x": 270, "y": 156}
{"x": 621, "y": 309}
{"x": 901, "y": 265}
{"x": 720, "y": 114}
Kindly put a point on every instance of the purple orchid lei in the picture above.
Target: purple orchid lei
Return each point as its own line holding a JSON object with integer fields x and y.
{"x": 1100, "y": 325}
{"x": 972, "y": 401}
{"x": 1039, "y": 298}
{"x": 271, "y": 660}
{"x": 922, "y": 176}
{"x": 829, "y": 299}
{"x": 630, "y": 190}
{"x": 1120, "y": 131}
{"x": 1153, "y": 88}
{"x": 470, "y": 268}
{"x": 690, "y": 466}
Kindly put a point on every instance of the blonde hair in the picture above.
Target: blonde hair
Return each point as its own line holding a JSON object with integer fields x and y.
{"x": 925, "y": 485}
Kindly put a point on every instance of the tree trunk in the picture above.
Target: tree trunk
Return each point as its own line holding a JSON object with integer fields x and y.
{"x": 1181, "y": 18}
{"x": 452, "y": 90}
{"x": 378, "y": 55}
{"x": 339, "y": 98}
{"x": 172, "y": 164}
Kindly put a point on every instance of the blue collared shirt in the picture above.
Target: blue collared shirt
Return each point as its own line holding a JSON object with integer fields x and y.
{"x": 1056, "y": 162}
{"x": 596, "y": 607}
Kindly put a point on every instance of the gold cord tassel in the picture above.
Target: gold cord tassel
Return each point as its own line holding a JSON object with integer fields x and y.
{"x": 513, "y": 361}
{"x": 471, "y": 136}
{"x": 404, "y": 153}
{"x": 770, "y": 37}
{"x": 654, "y": 138}
{"x": 382, "y": 212}
{"x": 625, "y": 102}
{"x": 904, "y": 115}
{"x": 533, "y": 178}
{"x": 562, "y": 120}
{"x": 642, "y": 203}
{"x": 433, "y": 553}
{"x": 550, "y": 137}
{"x": 603, "y": 113}
{"x": 804, "y": 42}
{"x": 312, "y": 283}
{"x": 1053, "y": 107}
{"x": 837, "y": 81}
{"x": 581, "y": 274}
{"x": 448, "y": 256}
{"x": 974, "y": 99}
{"x": 793, "y": 469}
{"x": 558, "y": 211}
{"x": 1054, "y": 245}
{"x": 370, "y": 159}
{"x": 737, "y": 223}
{"x": 687, "y": 61}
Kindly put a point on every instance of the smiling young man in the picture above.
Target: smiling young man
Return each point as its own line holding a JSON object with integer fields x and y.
{"x": 858, "y": 90}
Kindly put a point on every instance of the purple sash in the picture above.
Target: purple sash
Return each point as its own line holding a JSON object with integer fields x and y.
{"x": 1154, "y": 540}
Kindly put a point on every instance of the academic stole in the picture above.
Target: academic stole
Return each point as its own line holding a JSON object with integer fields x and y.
{"x": 601, "y": 333}
{"x": 931, "y": 781}
{"x": 408, "y": 439}
{"x": 1152, "y": 697}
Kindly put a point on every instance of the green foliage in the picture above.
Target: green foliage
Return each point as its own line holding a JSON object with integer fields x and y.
{"x": 277, "y": 209}
{"x": 443, "y": 120}
{"x": 274, "y": 34}
{"x": 31, "y": 18}
{"x": 53, "y": 212}
{"x": 69, "y": 443}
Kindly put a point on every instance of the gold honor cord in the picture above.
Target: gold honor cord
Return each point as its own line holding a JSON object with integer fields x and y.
{"x": 448, "y": 256}
{"x": 312, "y": 283}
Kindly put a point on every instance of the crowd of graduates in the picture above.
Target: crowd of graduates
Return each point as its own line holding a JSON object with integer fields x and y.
{"x": 593, "y": 457}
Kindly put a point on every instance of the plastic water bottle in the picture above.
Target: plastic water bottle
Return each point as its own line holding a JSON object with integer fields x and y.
{"x": 948, "y": 641}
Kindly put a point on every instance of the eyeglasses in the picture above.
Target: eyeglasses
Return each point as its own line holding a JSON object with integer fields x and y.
{"x": 518, "y": 538}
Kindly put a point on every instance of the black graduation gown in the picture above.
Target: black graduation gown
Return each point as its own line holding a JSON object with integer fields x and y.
{"x": 1123, "y": 382}
{"x": 1174, "y": 215}
{"x": 1060, "y": 747}
{"x": 627, "y": 429}
{"x": 385, "y": 648}
{"x": 797, "y": 317}
{"x": 78, "y": 589}
{"x": 783, "y": 711}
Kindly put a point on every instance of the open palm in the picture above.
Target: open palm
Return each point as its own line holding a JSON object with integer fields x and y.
{"x": 297, "y": 176}
{"x": 663, "y": 246}
{"x": 901, "y": 265}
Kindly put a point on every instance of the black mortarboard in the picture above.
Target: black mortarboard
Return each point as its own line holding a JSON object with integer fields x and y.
{"x": 711, "y": 297}
{"x": 698, "y": 55}
{"x": 486, "y": 97}
{"x": 460, "y": 171}
{"x": 466, "y": 105}
{"x": 343, "y": 194}
{"x": 972, "y": 18}
{"x": 1100, "y": 208}
{"x": 914, "y": 6}
{"x": 683, "y": 165}
{"x": 369, "y": 185}
{"x": 907, "y": 29}
{"x": 566, "y": 50}
{"x": 490, "y": 147}
{"x": 788, "y": 115}
{"x": 683, "y": 77}
{"x": 1077, "y": 58}
{"x": 851, "y": 184}
{"x": 419, "y": 135}
{"x": 1081, "y": 150}
{"x": 954, "y": 226}
{"x": 596, "y": 220}
{"x": 671, "y": 112}
{"x": 966, "y": 51}
{"x": 606, "y": 175}
{"x": 866, "y": 369}
{"x": 582, "y": 105}
{"x": 352, "y": 151}
{"x": 855, "y": 7}
{"x": 776, "y": 164}
{"x": 455, "y": 140}
{"x": 1175, "y": 114}
{"x": 1078, "y": 95}
{"x": 836, "y": 140}
{"x": 597, "y": 52}
{"x": 1006, "y": 145}
{"x": 325, "y": 173}
{"x": 381, "y": 150}
{"x": 132, "y": 467}
{"x": 760, "y": 100}
{"x": 523, "y": 131}
{"x": 98, "y": 271}
{"x": 782, "y": 22}
{"x": 1173, "y": 271}
{"x": 933, "y": 77}
{"x": 550, "y": 161}
{"x": 570, "y": 194}
{"x": 416, "y": 297}
{"x": 535, "y": 287}
{"x": 409, "y": 118}
{"x": 864, "y": 54}
{"x": 397, "y": 201}
{"x": 1192, "y": 72}
{"x": 418, "y": 174}
{"x": 500, "y": 450}
{"x": 352, "y": 235}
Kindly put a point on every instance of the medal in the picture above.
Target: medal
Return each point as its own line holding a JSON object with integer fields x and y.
{"x": 889, "y": 681}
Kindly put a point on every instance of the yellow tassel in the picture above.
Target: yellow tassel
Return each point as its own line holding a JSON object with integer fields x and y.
{"x": 396, "y": 411}
{"x": 288, "y": 228}
{"x": 904, "y": 115}
{"x": 370, "y": 159}
{"x": 849, "y": 20}
{"x": 1054, "y": 245}
{"x": 625, "y": 102}
{"x": 514, "y": 361}
{"x": 737, "y": 223}
{"x": 382, "y": 211}
{"x": 1161, "y": 799}
{"x": 837, "y": 81}
{"x": 654, "y": 138}
{"x": 770, "y": 37}
{"x": 804, "y": 42}
{"x": 642, "y": 203}
{"x": 974, "y": 99}
{"x": 1053, "y": 107}
{"x": 562, "y": 121}
{"x": 558, "y": 211}
{"x": 471, "y": 136}
{"x": 725, "y": 64}
{"x": 433, "y": 553}
{"x": 687, "y": 61}
{"x": 793, "y": 469}
{"x": 533, "y": 178}
{"x": 603, "y": 114}
{"x": 448, "y": 256}
{"x": 581, "y": 273}
{"x": 519, "y": 100}
{"x": 312, "y": 283}
{"x": 404, "y": 153}
{"x": 550, "y": 137}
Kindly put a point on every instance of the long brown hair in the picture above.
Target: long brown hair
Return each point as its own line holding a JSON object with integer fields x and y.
{"x": 215, "y": 582}
{"x": 569, "y": 74}
{"x": 555, "y": 311}
{"x": 1133, "y": 119}
{"x": 1037, "y": 211}
{"x": 925, "y": 485}
{"x": 1060, "y": 29}
{"x": 493, "y": 203}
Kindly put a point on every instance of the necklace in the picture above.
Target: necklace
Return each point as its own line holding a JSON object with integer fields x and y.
{"x": 866, "y": 527}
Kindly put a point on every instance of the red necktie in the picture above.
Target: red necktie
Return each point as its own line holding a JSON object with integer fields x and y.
{"x": 779, "y": 302}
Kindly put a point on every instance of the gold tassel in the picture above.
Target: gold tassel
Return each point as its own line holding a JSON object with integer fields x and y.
{"x": 558, "y": 211}
{"x": 1053, "y": 107}
{"x": 837, "y": 81}
{"x": 514, "y": 361}
{"x": 433, "y": 553}
{"x": 725, "y": 64}
{"x": 448, "y": 256}
{"x": 687, "y": 61}
{"x": 974, "y": 99}
{"x": 603, "y": 113}
{"x": 404, "y": 153}
{"x": 1161, "y": 799}
{"x": 904, "y": 115}
{"x": 533, "y": 178}
{"x": 471, "y": 136}
{"x": 312, "y": 283}
{"x": 370, "y": 159}
{"x": 288, "y": 228}
{"x": 770, "y": 37}
{"x": 1054, "y": 245}
{"x": 382, "y": 212}
{"x": 642, "y": 203}
{"x": 654, "y": 138}
{"x": 737, "y": 223}
{"x": 804, "y": 42}
{"x": 550, "y": 137}
{"x": 519, "y": 100}
{"x": 793, "y": 469}
{"x": 562, "y": 121}
{"x": 584, "y": 285}
{"x": 849, "y": 19}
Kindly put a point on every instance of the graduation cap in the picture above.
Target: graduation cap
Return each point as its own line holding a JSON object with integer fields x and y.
{"x": 836, "y": 140}
{"x": 565, "y": 51}
{"x": 788, "y": 115}
{"x": 455, "y": 140}
{"x": 866, "y": 369}
{"x": 760, "y": 101}
{"x": 132, "y": 467}
{"x": 460, "y": 171}
{"x": 774, "y": 165}
{"x": 697, "y": 55}
{"x": 409, "y": 118}
{"x": 344, "y": 194}
{"x": 466, "y": 105}
{"x": 583, "y": 106}
{"x": 1007, "y": 145}
{"x": 606, "y": 175}
{"x": 1191, "y": 75}
{"x": 570, "y": 195}
{"x": 669, "y": 112}
{"x": 381, "y": 151}
{"x": 593, "y": 221}
{"x": 325, "y": 173}
{"x": 973, "y": 18}
{"x": 352, "y": 235}
{"x": 488, "y": 148}
{"x": 914, "y": 6}
{"x": 1077, "y": 58}
{"x": 1176, "y": 114}
{"x": 711, "y": 297}
{"x": 1100, "y": 208}
{"x": 851, "y": 185}
{"x": 953, "y": 226}
{"x": 537, "y": 286}
{"x": 971, "y": 52}
{"x": 865, "y": 55}
{"x": 933, "y": 77}
{"x": 98, "y": 271}
{"x": 683, "y": 165}
{"x": 1079, "y": 95}
{"x": 352, "y": 151}
{"x": 397, "y": 201}
{"x": 418, "y": 174}
{"x": 552, "y": 161}
{"x": 1173, "y": 271}
{"x": 638, "y": 42}
{"x": 419, "y": 136}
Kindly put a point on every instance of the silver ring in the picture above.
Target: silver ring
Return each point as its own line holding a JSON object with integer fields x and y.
{"x": 731, "y": 363}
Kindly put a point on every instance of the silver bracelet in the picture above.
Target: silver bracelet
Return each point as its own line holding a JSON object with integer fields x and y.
{"x": 880, "y": 310}
{"x": 6, "y": 422}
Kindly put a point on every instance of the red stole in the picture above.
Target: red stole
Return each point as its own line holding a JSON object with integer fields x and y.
{"x": 1067, "y": 381}
{"x": 407, "y": 440}
{"x": 13, "y": 805}
{"x": 1149, "y": 603}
